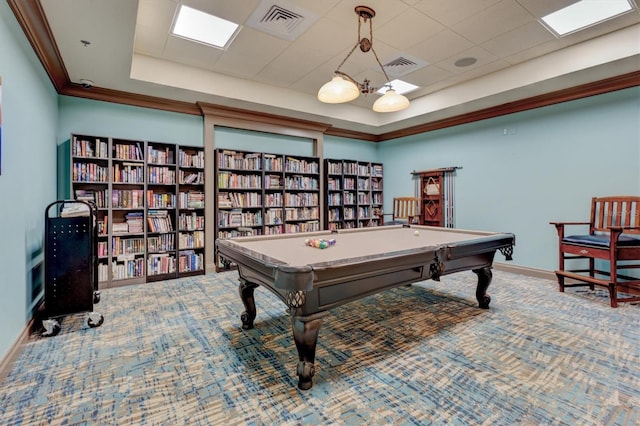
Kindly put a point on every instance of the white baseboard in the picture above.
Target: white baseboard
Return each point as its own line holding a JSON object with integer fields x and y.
{"x": 523, "y": 270}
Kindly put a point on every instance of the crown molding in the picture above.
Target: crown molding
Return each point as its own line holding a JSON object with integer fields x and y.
{"x": 600, "y": 87}
{"x": 31, "y": 17}
{"x": 212, "y": 110}
{"x": 133, "y": 99}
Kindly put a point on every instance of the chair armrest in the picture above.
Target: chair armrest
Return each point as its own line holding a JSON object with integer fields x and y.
{"x": 560, "y": 227}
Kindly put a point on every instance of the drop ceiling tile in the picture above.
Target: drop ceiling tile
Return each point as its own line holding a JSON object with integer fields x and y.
{"x": 234, "y": 11}
{"x": 191, "y": 53}
{"x": 290, "y": 66}
{"x": 319, "y": 39}
{"x": 450, "y": 12}
{"x": 149, "y": 42}
{"x": 251, "y": 42}
{"x": 407, "y": 29}
{"x": 427, "y": 76}
{"x": 494, "y": 21}
{"x": 442, "y": 45}
{"x": 540, "y": 8}
{"x": 237, "y": 65}
{"x": 518, "y": 40}
{"x": 156, "y": 15}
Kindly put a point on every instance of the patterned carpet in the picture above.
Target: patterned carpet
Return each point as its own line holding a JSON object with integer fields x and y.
{"x": 173, "y": 353}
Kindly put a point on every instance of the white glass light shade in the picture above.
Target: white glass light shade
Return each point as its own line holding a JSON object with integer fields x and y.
{"x": 338, "y": 90}
{"x": 390, "y": 102}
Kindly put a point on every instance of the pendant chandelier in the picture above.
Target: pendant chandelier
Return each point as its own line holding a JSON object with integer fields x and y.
{"x": 343, "y": 88}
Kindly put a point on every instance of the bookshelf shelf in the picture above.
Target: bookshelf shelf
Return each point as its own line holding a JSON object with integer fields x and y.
{"x": 263, "y": 193}
{"x": 149, "y": 195}
{"x": 354, "y": 194}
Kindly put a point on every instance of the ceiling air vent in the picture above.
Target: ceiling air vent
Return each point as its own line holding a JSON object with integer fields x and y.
{"x": 281, "y": 19}
{"x": 402, "y": 65}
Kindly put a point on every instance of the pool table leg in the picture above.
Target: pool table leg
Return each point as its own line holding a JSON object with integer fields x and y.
{"x": 305, "y": 334}
{"x": 246, "y": 295}
{"x": 484, "y": 279}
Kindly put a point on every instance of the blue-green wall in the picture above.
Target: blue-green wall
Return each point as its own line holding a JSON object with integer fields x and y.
{"x": 27, "y": 182}
{"x": 98, "y": 118}
{"x": 246, "y": 140}
{"x": 546, "y": 168}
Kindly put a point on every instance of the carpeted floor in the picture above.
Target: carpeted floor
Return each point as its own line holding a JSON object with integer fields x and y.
{"x": 173, "y": 353}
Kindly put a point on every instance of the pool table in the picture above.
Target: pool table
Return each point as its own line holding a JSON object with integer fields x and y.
{"x": 364, "y": 261}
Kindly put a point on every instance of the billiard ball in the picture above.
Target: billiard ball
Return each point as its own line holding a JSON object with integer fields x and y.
{"x": 416, "y": 233}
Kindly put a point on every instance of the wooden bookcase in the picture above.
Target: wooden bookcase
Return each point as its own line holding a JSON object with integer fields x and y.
{"x": 145, "y": 231}
{"x": 261, "y": 193}
{"x": 353, "y": 194}
{"x": 191, "y": 217}
{"x": 161, "y": 211}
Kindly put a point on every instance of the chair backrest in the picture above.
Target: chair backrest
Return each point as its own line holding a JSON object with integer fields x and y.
{"x": 405, "y": 208}
{"x": 615, "y": 211}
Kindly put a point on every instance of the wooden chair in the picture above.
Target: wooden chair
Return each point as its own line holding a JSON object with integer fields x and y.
{"x": 614, "y": 239}
{"x": 405, "y": 210}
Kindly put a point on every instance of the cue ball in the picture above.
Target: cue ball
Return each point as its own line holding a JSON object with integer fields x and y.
{"x": 416, "y": 233}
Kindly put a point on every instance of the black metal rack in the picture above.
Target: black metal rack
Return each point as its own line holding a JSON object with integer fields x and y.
{"x": 71, "y": 263}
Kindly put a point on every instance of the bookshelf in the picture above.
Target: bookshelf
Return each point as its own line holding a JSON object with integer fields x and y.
{"x": 161, "y": 203}
{"x": 354, "y": 194}
{"x": 90, "y": 176}
{"x": 262, "y": 194}
{"x": 150, "y": 199}
{"x": 191, "y": 217}
{"x": 126, "y": 213}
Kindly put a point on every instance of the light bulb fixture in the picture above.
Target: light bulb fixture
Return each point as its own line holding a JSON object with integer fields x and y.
{"x": 343, "y": 88}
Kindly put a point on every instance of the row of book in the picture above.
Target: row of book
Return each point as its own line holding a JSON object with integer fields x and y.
{"x": 237, "y": 218}
{"x": 191, "y": 200}
{"x": 301, "y": 182}
{"x": 161, "y": 243}
{"x": 302, "y": 227}
{"x": 190, "y": 240}
{"x": 301, "y": 199}
{"x": 301, "y": 165}
{"x": 239, "y": 199}
{"x": 159, "y": 221}
{"x": 128, "y": 173}
{"x": 190, "y": 178}
{"x": 161, "y": 175}
{"x": 120, "y": 246}
{"x": 89, "y": 172}
{"x": 87, "y": 148}
{"x": 302, "y": 214}
{"x": 333, "y": 184}
{"x": 238, "y": 181}
{"x": 190, "y": 221}
{"x": 159, "y": 264}
{"x": 239, "y": 160}
{"x": 128, "y": 151}
{"x": 127, "y": 198}
{"x": 272, "y": 163}
{"x": 160, "y": 200}
{"x": 187, "y": 159}
{"x": 160, "y": 155}
{"x": 190, "y": 261}
{"x": 239, "y": 232}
